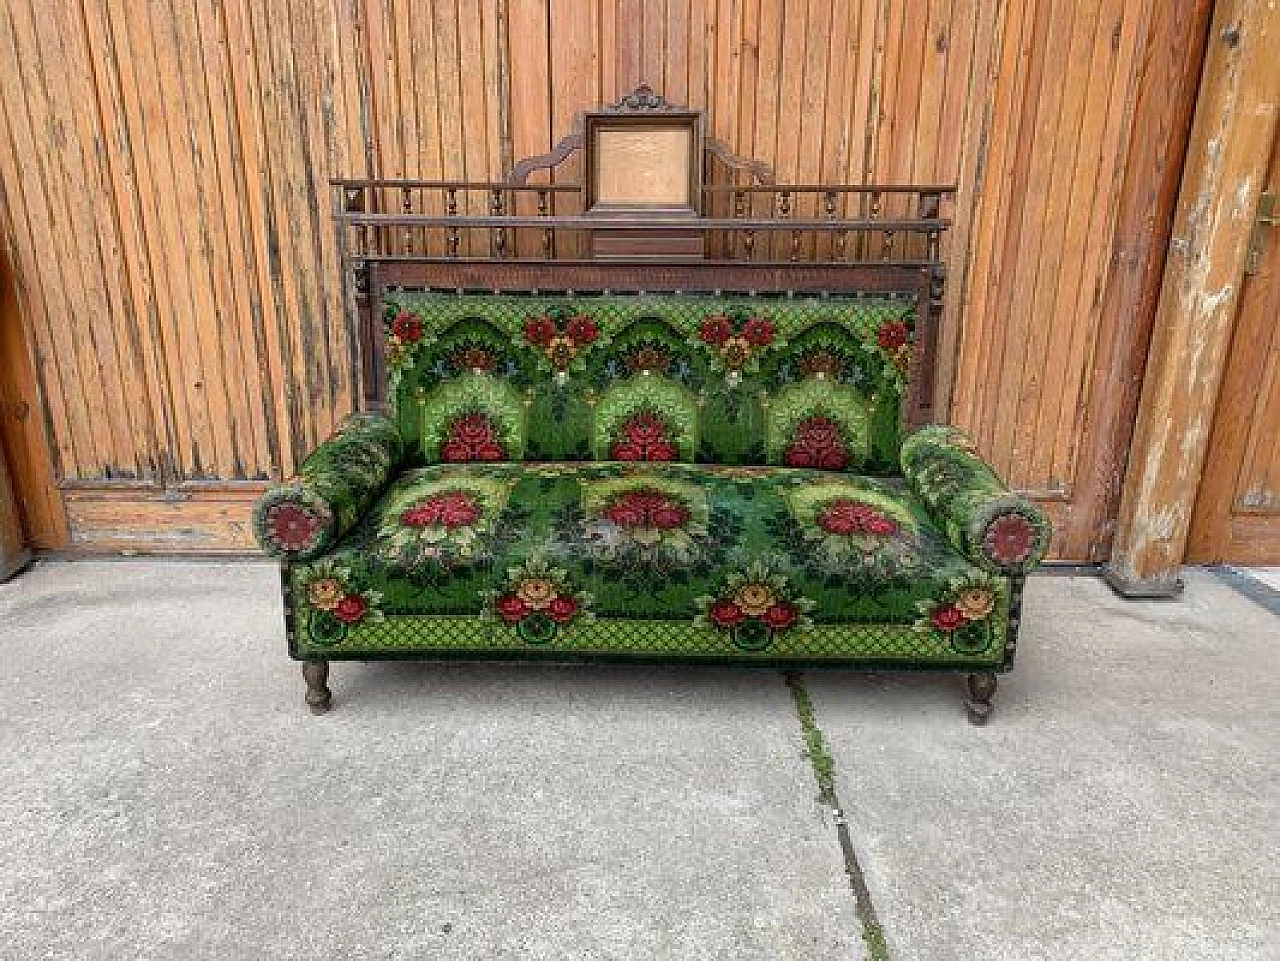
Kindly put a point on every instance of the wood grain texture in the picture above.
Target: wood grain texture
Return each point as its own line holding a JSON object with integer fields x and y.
{"x": 177, "y": 521}
{"x": 1227, "y": 162}
{"x": 1162, "y": 114}
{"x": 167, "y": 167}
{"x": 1237, "y": 512}
{"x": 16, "y": 412}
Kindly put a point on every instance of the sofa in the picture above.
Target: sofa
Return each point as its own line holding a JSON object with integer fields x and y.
{"x": 709, "y": 479}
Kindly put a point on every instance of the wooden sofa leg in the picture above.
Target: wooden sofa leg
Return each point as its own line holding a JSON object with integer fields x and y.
{"x": 318, "y": 694}
{"x": 982, "y": 687}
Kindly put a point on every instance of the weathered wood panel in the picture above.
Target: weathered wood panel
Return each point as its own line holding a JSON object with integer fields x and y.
{"x": 24, "y": 440}
{"x": 1237, "y": 512}
{"x": 1163, "y": 106}
{"x": 166, "y": 170}
{"x": 14, "y": 552}
{"x": 1226, "y": 168}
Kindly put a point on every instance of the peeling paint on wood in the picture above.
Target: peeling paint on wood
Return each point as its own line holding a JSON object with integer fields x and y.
{"x": 1231, "y": 147}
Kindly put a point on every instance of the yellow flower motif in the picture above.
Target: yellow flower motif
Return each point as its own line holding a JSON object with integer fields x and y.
{"x": 735, "y": 352}
{"x": 755, "y": 599}
{"x": 976, "y": 603}
{"x": 325, "y": 593}
{"x": 561, "y": 350}
{"x": 902, "y": 359}
{"x": 537, "y": 592}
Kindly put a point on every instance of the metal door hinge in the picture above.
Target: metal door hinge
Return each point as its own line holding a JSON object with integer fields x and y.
{"x": 1258, "y": 238}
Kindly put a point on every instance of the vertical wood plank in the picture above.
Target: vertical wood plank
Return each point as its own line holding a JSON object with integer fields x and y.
{"x": 34, "y": 169}
{"x": 1229, "y": 154}
{"x": 996, "y": 201}
{"x": 24, "y": 439}
{"x": 963, "y": 143}
{"x": 271, "y": 339}
{"x": 528, "y": 29}
{"x": 630, "y": 42}
{"x": 30, "y": 237}
{"x": 1164, "y": 100}
{"x": 574, "y": 34}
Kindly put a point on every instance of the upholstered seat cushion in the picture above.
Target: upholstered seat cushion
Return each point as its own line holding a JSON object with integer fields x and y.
{"x": 749, "y": 556}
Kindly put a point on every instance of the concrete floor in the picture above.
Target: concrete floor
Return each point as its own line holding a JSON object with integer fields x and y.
{"x": 164, "y": 794}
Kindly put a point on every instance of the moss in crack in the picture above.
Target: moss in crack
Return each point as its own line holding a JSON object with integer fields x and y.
{"x": 824, "y": 771}
{"x": 873, "y": 937}
{"x": 815, "y": 745}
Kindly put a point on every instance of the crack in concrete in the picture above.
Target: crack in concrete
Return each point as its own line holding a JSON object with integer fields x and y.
{"x": 823, "y": 765}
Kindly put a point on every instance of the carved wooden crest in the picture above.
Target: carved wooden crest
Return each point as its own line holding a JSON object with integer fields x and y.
{"x": 644, "y": 99}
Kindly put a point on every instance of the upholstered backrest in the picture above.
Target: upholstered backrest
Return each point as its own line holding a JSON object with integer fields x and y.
{"x": 734, "y": 380}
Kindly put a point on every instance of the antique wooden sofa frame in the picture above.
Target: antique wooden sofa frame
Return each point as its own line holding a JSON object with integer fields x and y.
{"x": 759, "y": 237}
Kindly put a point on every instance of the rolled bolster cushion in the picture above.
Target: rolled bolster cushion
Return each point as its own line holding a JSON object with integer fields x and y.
{"x": 996, "y": 529}
{"x": 293, "y": 521}
{"x": 303, "y": 517}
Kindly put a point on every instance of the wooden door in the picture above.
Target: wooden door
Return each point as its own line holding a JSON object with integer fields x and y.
{"x": 13, "y": 551}
{"x": 1237, "y": 513}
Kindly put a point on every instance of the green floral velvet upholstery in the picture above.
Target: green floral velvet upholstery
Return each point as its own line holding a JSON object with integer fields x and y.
{"x": 814, "y": 382}
{"x": 735, "y": 561}
{"x": 650, "y": 477}
{"x": 333, "y": 489}
{"x": 1000, "y": 531}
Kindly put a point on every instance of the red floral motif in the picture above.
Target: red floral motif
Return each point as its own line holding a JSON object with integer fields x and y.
{"x": 818, "y": 443}
{"x": 726, "y": 614}
{"x": 422, "y": 515}
{"x": 1009, "y": 539}
{"x": 645, "y": 429}
{"x": 644, "y": 437}
{"x": 625, "y": 512}
{"x": 538, "y": 331}
{"x": 351, "y": 608}
{"x": 893, "y": 334}
{"x": 947, "y": 618}
{"x": 754, "y": 605}
{"x": 716, "y": 329}
{"x": 649, "y": 358}
{"x": 821, "y": 363}
{"x": 582, "y": 329}
{"x": 458, "y": 509}
{"x": 562, "y": 608}
{"x": 512, "y": 608}
{"x": 452, "y": 510}
{"x": 292, "y": 527}
{"x": 543, "y": 331}
{"x": 736, "y": 337}
{"x": 780, "y": 616}
{"x": 669, "y": 517}
{"x": 758, "y": 331}
{"x": 474, "y": 358}
{"x": 471, "y": 438}
{"x": 455, "y": 452}
{"x": 647, "y": 509}
{"x": 407, "y": 327}
{"x": 536, "y": 602}
{"x": 472, "y": 429}
{"x": 845, "y": 517}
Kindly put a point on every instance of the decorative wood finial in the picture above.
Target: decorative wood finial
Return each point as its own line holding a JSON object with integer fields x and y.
{"x": 644, "y": 98}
